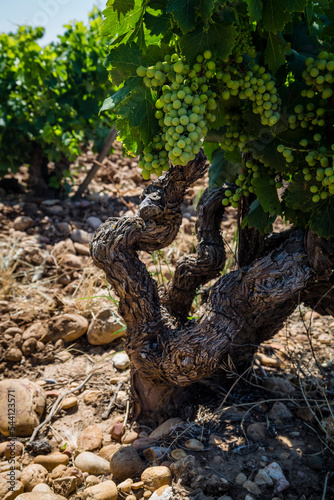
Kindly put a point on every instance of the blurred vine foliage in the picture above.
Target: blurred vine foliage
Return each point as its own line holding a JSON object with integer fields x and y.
{"x": 250, "y": 81}
{"x": 50, "y": 96}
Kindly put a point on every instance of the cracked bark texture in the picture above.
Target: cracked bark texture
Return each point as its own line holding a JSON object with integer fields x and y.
{"x": 169, "y": 352}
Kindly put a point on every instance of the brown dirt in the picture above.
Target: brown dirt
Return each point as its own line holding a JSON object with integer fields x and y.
{"x": 37, "y": 283}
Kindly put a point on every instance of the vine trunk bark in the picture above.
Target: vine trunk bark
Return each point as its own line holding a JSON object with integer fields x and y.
{"x": 169, "y": 351}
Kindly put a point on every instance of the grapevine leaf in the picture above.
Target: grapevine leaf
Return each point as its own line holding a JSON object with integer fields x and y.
{"x": 206, "y": 8}
{"x": 158, "y": 25}
{"x": 258, "y": 218}
{"x": 299, "y": 196}
{"x": 221, "y": 170}
{"x": 183, "y": 12}
{"x": 267, "y": 194}
{"x": 322, "y": 220}
{"x": 139, "y": 110}
{"x": 216, "y": 136}
{"x": 274, "y": 15}
{"x": 295, "y": 5}
{"x": 122, "y": 6}
{"x": 254, "y": 9}
{"x": 123, "y": 61}
{"x": 219, "y": 39}
{"x": 274, "y": 54}
{"x": 115, "y": 100}
{"x": 117, "y": 24}
{"x": 209, "y": 148}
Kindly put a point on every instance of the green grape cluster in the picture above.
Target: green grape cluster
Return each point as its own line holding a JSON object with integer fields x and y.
{"x": 243, "y": 43}
{"x": 183, "y": 110}
{"x": 256, "y": 86}
{"x": 319, "y": 75}
{"x": 252, "y": 169}
{"x": 309, "y": 116}
{"x": 320, "y": 169}
{"x": 234, "y": 137}
{"x": 315, "y": 149}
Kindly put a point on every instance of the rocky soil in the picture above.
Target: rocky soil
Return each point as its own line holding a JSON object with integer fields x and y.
{"x": 269, "y": 435}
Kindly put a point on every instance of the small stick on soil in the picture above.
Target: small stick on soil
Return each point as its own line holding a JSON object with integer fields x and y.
{"x": 325, "y": 486}
{"x": 126, "y": 413}
{"x": 55, "y": 407}
{"x": 106, "y": 413}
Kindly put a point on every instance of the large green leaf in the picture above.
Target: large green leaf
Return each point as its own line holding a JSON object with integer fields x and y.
{"x": 139, "y": 109}
{"x": 299, "y": 196}
{"x": 206, "y": 9}
{"x": 267, "y": 194}
{"x": 254, "y": 10}
{"x": 219, "y": 38}
{"x": 117, "y": 24}
{"x": 115, "y": 100}
{"x": 322, "y": 220}
{"x": 157, "y": 24}
{"x": 209, "y": 148}
{"x": 221, "y": 170}
{"x": 274, "y": 54}
{"x": 258, "y": 218}
{"x": 184, "y": 13}
{"x": 274, "y": 15}
{"x": 123, "y": 62}
{"x": 122, "y": 6}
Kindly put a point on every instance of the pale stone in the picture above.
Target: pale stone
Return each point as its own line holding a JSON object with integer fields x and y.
{"x": 107, "y": 451}
{"x": 69, "y": 402}
{"x": 106, "y": 490}
{"x": 125, "y": 485}
{"x": 32, "y": 475}
{"x": 36, "y": 331}
{"x": 155, "y": 477}
{"x": 129, "y": 437}
{"x": 22, "y": 223}
{"x": 93, "y": 222}
{"x": 81, "y": 249}
{"x": 257, "y": 431}
{"x": 13, "y": 354}
{"x": 279, "y": 411}
{"x": 75, "y": 472}
{"x": 104, "y": 329}
{"x": 125, "y": 463}
{"x": 178, "y": 453}
{"x": 51, "y": 461}
{"x": 40, "y": 495}
{"x": 13, "y": 448}
{"x": 165, "y": 428}
{"x": 81, "y": 236}
{"x": 65, "y": 485}
{"x": 241, "y": 478}
{"x": 91, "y": 438}
{"x": 91, "y": 463}
{"x": 252, "y": 488}
{"x": 91, "y": 396}
{"x": 64, "y": 228}
{"x": 58, "y": 471}
{"x": 67, "y": 327}
{"x": 274, "y": 470}
{"x": 267, "y": 360}
{"x": 42, "y": 487}
{"x": 70, "y": 260}
{"x": 216, "y": 440}
{"x": 262, "y": 477}
{"x": 29, "y": 405}
{"x": 163, "y": 493}
{"x": 92, "y": 480}
{"x": 194, "y": 444}
{"x": 121, "y": 361}
{"x": 16, "y": 488}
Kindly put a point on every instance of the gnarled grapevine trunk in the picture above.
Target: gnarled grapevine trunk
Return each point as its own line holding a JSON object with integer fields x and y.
{"x": 169, "y": 352}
